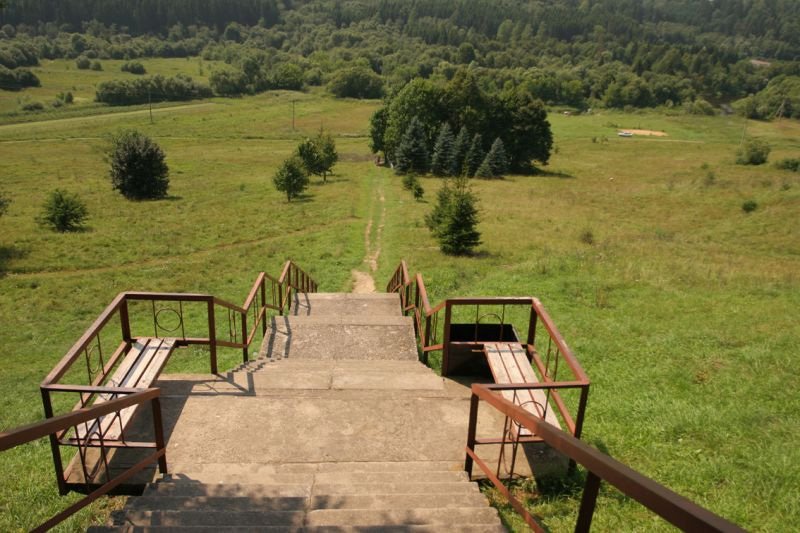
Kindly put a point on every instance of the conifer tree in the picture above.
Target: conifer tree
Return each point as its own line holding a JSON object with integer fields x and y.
{"x": 495, "y": 164}
{"x": 412, "y": 153}
{"x": 460, "y": 147}
{"x": 474, "y": 156}
{"x": 455, "y": 218}
{"x": 442, "y": 159}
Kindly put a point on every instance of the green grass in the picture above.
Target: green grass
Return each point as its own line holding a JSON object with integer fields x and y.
{"x": 682, "y": 310}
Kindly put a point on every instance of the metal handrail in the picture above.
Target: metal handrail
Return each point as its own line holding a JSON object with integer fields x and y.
{"x": 51, "y": 427}
{"x": 672, "y": 507}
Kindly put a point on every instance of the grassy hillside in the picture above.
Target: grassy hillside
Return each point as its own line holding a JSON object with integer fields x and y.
{"x": 681, "y": 307}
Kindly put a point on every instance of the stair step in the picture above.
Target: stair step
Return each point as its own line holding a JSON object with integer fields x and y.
{"x": 160, "y": 502}
{"x": 234, "y": 490}
{"x": 389, "y": 477}
{"x": 399, "y": 501}
{"x": 340, "y": 304}
{"x": 396, "y": 466}
{"x": 462, "y": 528}
{"x": 452, "y": 517}
{"x": 332, "y": 489}
{"x": 293, "y": 519}
{"x": 239, "y": 473}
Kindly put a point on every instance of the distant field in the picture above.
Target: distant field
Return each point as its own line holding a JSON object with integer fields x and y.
{"x": 681, "y": 307}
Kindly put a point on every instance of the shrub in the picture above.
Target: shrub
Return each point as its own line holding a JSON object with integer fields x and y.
{"x": 749, "y": 206}
{"x": 291, "y": 178}
{"x": 789, "y": 164}
{"x": 138, "y": 168}
{"x": 156, "y": 88}
{"x": 63, "y": 212}
{"x": 33, "y": 106}
{"x": 96, "y": 65}
{"x": 409, "y": 180}
{"x": 418, "y": 191}
{"x": 753, "y": 152}
{"x": 587, "y": 237}
{"x": 14, "y": 80}
{"x": 83, "y": 63}
{"x": 133, "y": 67}
{"x": 356, "y": 82}
{"x": 4, "y": 203}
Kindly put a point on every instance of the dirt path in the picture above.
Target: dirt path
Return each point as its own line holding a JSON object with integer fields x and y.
{"x": 363, "y": 282}
{"x": 156, "y": 111}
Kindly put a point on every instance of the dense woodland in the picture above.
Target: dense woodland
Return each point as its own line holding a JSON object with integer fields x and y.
{"x": 688, "y": 54}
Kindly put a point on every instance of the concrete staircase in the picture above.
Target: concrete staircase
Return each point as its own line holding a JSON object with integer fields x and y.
{"x": 342, "y": 431}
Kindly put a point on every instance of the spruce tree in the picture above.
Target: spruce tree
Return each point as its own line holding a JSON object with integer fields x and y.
{"x": 456, "y": 219}
{"x": 474, "y": 156}
{"x": 495, "y": 164}
{"x": 442, "y": 159}
{"x": 412, "y": 153}
{"x": 460, "y": 147}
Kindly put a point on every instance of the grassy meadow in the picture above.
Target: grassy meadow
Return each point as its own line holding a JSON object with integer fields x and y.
{"x": 681, "y": 307}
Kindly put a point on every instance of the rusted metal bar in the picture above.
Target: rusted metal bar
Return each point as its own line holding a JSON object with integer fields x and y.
{"x": 102, "y": 491}
{"x": 252, "y": 294}
{"x": 446, "y": 340}
{"x": 54, "y": 424}
{"x": 212, "y": 335}
{"x": 672, "y": 507}
{"x": 245, "y": 343}
{"x": 124, "y": 320}
{"x": 588, "y": 502}
{"x": 474, "y": 402}
{"x": 566, "y": 352}
{"x": 491, "y": 300}
{"x": 531, "y": 340}
{"x": 540, "y": 385}
{"x": 92, "y": 389}
{"x": 61, "y": 368}
{"x": 263, "y": 311}
{"x": 158, "y": 428}
{"x": 54, "y": 448}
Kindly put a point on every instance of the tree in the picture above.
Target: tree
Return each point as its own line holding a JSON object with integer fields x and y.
{"x": 318, "y": 154}
{"x": 291, "y": 178}
{"x": 421, "y": 100}
{"x": 495, "y": 164}
{"x": 474, "y": 156}
{"x": 412, "y": 153}
{"x": 460, "y": 147}
{"x": 138, "y": 167}
{"x": 377, "y": 129}
{"x": 63, "y": 212}
{"x": 455, "y": 218}
{"x": 527, "y": 137}
{"x": 442, "y": 159}
{"x": 754, "y": 152}
{"x": 356, "y": 82}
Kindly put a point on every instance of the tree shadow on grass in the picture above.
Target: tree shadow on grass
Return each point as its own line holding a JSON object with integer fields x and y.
{"x": 8, "y": 254}
{"x": 302, "y": 198}
{"x": 540, "y": 173}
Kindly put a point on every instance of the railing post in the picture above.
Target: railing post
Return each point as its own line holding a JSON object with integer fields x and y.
{"x": 588, "y": 502}
{"x": 212, "y": 335}
{"x": 158, "y": 427}
{"x": 474, "y": 401}
{"x": 245, "y": 355}
{"x": 124, "y": 320}
{"x": 446, "y": 338}
{"x": 532, "y": 326}
{"x": 54, "y": 446}
{"x": 579, "y": 422}
{"x": 263, "y": 307}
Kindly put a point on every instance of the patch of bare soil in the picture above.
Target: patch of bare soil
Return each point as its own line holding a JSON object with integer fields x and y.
{"x": 650, "y": 133}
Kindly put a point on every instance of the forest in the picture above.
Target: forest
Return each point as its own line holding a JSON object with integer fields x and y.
{"x": 691, "y": 55}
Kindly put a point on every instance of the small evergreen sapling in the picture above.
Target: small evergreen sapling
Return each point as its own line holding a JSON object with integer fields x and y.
{"x": 63, "y": 212}
{"x": 454, "y": 218}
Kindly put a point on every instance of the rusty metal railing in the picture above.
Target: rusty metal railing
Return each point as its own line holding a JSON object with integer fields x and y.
{"x": 87, "y": 367}
{"x": 672, "y": 507}
{"x": 81, "y": 418}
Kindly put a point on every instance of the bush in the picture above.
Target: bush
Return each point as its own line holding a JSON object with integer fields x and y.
{"x": 33, "y": 106}
{"x": 63, "y": 212}
{"x": 4, "y": 203}
{"x": 17, "y": 79}
{"x": 754, "y": 152}
{"x": 291, "y": 178}
{"x": 789, "y": 164}
{"x": 96, "y": 65}
{"x": 356, "y": 82}
{"x": 83, "y": 63}
{"x": 133, "y": 67}
{"x": 156, "y": 89}
{"x": 749, "y": 206}
{"x": 138, "y": 169}
{"x": 418, "y": 191}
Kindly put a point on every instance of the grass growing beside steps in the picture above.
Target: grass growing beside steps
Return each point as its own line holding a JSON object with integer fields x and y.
{"x": 681, "y": 307}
